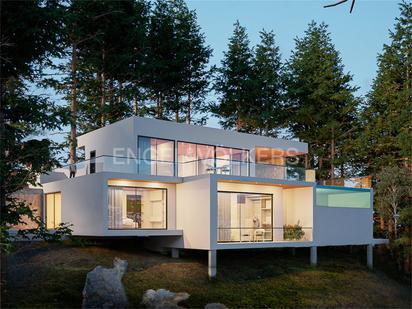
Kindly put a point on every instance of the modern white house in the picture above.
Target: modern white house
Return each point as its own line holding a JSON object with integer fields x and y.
{"x": 191, "y": 187}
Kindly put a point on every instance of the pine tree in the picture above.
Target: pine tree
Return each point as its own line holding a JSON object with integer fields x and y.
{"x": 320, "y": 100}
{"x": 387, "y": 119}
{"x": 234, "y": 82}
{"x": 24, "y": 56}
{"x": 266, "y": 114}
{"x": 177, "y": 60}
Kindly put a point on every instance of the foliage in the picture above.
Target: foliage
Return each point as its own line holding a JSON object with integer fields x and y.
{"x": 293, "y": 232}
{"x": 266, "y": 117}
{"x": 57, "y": 234}
{"x": 24, "y": 54}
{"x": 234, "y": 82}
{"x": 320, "y": 101}
{"x": 393, "y": 202}
{"x": 387, "y": 119}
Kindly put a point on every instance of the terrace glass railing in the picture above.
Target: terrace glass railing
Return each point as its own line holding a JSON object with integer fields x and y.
{"x": 268, "y": 234}
{"x": 182, "y": 169}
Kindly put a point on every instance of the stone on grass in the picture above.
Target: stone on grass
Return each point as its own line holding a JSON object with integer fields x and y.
{"x": 162, "y": 298}
{"x": 215, "y": 306}
{"x": 104, "y": 288}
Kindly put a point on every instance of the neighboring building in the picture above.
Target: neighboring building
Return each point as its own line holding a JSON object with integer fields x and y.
{"x": 192, "y": 187}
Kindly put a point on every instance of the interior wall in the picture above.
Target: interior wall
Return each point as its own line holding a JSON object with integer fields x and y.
{"x": 298, "y": 206}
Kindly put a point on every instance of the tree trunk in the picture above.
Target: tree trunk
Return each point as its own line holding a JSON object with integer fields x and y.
{"x": 136, "y": 105}
{"x": 2, "y": 140}
{"x": 103, "y": 94}
{"x": 160, "y": 107}
{"x": 381, "y": 223}
{"x": 306, "y": 161}
{"x": 189, "y": 106}
{"x": 73, "y": 106}
{"x": 120, "y": 98}
{"x": 332, "y": 155}
{"x": 177, "y": 108}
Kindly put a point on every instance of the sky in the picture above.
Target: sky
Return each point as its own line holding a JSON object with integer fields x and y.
{"x": 358, "y": 37}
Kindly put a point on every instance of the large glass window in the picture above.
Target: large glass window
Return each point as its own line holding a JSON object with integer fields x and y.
{"x": 245, "y": 217}
{"x": 137, "y": 208}
{"x": 53, "y": 210}
{"x": 156, "y": 156}
{"x": 343, "y": 197}
{"x": 198, "y": 159}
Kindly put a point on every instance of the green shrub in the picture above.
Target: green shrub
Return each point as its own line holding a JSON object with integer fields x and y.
{"x": 293, "y": 232}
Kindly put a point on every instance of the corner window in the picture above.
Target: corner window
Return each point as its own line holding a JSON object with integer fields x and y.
{"x": 53, "y": 210}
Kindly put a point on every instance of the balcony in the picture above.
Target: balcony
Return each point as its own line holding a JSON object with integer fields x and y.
{"x": 185, "y": 169}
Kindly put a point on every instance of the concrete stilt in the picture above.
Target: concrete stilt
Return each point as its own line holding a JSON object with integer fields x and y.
{"x": 369, "y": 256}
{"x": 212, "y": 264}
{"x": 175, "y": 253}
{"x": 313, "y": 256}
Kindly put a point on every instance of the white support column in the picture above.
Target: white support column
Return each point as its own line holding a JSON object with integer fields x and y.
{"x": 175, "y": 253}
{"x": 369, "y": 256}
{"x": 212, "y": 264}
{"x": 313, "y": 256}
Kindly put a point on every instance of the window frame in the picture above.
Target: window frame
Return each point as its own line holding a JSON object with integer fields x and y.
{"x": 54, "y": 208}
{"x": 214, "y": 154}
{"x": 140, "y": 229}
{"x": 240, "y": 213}
{"x": 155, "y": 160}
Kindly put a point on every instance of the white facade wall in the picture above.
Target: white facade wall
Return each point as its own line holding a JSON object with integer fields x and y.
{"x": 82, "y": 203}
{"x": 338, "y": 226}
{"x": 193, "y": 212}
{"x": 111, "y": 139}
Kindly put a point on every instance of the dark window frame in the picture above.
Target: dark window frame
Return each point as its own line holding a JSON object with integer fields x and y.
{"x": 240, "y": 214}
{"x": 140, "y": 229}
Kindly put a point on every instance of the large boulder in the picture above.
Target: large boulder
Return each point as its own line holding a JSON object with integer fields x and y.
{"x": 215, "y": 306}
{"x": 104, "y": 288}
{"x": 162, "y": 299}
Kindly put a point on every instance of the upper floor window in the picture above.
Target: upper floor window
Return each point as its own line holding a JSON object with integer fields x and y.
{"x": 198, "y": 159}
{"x": 156, "y": 156}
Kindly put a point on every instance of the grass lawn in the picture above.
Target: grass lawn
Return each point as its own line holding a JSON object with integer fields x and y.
{"x": 52, "y": 276}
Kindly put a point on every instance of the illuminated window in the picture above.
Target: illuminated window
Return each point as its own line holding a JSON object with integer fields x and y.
{"x": 137, "y": 208}
{"x": 53, "y": 210}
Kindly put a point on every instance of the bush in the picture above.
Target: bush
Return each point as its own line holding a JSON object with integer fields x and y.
{"x": 293, "y": 232}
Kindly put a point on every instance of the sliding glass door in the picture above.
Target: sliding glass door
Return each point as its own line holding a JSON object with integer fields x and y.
{"x": 245, "y": 217}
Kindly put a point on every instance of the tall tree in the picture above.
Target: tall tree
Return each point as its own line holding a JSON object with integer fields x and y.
{"x": 24, "y": 54}
{"x": 234, "y": 82}
{"x": 177, "y": 60}
{"x": 266, "y": 116}
{"x": 387, "y": 118}
{"x": 320, "y": 99}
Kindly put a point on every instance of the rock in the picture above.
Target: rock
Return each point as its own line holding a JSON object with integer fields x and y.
{"x": 104, "y": 288}
{"x": 162, "y": 298}
{"x": 215, "y": 306}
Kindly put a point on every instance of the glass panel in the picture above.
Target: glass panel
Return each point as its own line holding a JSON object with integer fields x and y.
{"x": 145, "y": 155}
{"x": 137, "y": 208}
{"x": 342, "y": 197}
{"x": 57, "y": 209}
{"x": 156, "y": 156}
{"x": 186, "y": 156}
{"x": 50, "y": 211}
{"x": 165, "y": 150}
{"x": 245, "y": 217}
